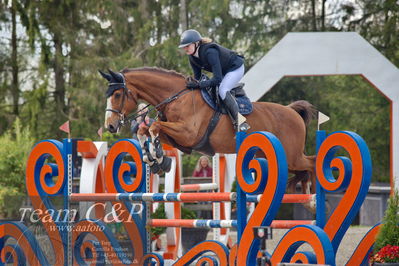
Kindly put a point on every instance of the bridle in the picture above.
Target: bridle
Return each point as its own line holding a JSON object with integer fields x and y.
{"x": 121, "y": 85}
{"x": 123, "y": 119}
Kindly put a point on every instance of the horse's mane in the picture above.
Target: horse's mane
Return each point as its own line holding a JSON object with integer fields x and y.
{"x": 155, "y": 70}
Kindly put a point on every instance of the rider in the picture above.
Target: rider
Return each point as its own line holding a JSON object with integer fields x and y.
{"x": 227, "y": 68}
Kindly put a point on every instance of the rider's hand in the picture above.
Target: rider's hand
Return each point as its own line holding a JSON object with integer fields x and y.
{"x": 192, "y": 84}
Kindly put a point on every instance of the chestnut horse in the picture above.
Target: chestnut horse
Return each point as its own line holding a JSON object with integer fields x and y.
{"x": 185, "y": 116}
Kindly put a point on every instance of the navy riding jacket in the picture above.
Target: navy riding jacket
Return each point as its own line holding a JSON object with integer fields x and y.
{"x": 216, "y": 59}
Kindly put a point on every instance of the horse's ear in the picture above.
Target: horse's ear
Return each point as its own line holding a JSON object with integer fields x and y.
{"x": 116, "y": 76}
{"x": 105, "y": 75}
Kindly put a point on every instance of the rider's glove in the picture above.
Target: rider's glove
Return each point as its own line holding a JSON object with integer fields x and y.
{"x": 193, "y": 84}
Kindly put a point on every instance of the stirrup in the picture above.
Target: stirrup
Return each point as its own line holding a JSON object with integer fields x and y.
{"x": 242, "y": 123}
{"x": 244, "y": 127}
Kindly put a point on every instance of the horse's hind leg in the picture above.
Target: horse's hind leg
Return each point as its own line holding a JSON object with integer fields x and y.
{"x": 306, "y": 163}
{"x": 306, "y": 174}
{"x": 299, "y": 176}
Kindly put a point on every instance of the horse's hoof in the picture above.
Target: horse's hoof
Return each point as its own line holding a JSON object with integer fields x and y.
{"x": 166, "y": 164}
{"x": 155, "y": 169}
{"x": 310, "y": 206}
{"x": 159, "y": 153}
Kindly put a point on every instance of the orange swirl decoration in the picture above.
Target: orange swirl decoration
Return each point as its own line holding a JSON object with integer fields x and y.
{"x": 233, "y": 255}
{"x": 106, "y": 245}
{"x": 361, "y": 254}
{"x": 207, "y": 260}
{"x": 304, "y": 257}
{"x": 41, "y": 186}
{"x": 127, "y": 176}
{"x": 26, "y": 249}
{"x": 271, "y": 178}
{"x": 118, "y": 173}
{"x": 220, "y": 250}
{"x": 124, "y": 172}
{"x": 294, "y": 238}
{"x": 354, "y": 176}
{"x": 89, "y": 253}
{"x": 152, "y": 259}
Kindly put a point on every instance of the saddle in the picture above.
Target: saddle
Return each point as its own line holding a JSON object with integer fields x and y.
{"x": 211, "y": 97}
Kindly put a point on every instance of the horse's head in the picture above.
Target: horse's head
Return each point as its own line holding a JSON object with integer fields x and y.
{"x": 120, "y": 101}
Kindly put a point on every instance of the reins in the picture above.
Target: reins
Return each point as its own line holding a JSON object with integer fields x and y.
{"x": 164, "y": 102}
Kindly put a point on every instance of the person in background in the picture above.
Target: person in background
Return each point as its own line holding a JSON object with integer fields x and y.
{"x": 134, "y": 127}
{"x": 203, "y": 167}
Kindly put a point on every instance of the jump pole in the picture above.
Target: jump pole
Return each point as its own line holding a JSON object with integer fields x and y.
{"x": 183, "y": 197}
{"x": 155, "y": 197}
{"x": 190, "y": 223}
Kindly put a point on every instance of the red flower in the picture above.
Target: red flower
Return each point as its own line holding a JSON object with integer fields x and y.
{"x": 388, "y": 253}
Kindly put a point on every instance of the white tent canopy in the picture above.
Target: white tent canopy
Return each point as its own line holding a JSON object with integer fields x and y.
{"x": 329, "y": 53}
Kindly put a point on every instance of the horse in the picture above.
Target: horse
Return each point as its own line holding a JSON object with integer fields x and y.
{"x": 184, "y": 117}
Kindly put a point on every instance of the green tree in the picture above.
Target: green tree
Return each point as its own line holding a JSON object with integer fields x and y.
{"x": 389, "y": 232}
{"x": 378, "y": 23}
{"x": 71, "y": 40}
{"x": 15, "y": 146}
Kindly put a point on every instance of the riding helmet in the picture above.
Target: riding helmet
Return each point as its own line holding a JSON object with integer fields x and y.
{"x": 188, "y": 37}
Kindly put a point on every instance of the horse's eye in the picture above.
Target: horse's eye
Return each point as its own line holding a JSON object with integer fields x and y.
{"x": 117, "y": 95}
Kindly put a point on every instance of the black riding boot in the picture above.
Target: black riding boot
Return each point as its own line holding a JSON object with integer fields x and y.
{"x": 232, "y": 108}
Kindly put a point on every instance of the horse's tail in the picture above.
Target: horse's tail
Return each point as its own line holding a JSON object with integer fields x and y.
{"x": 306, "y": 110}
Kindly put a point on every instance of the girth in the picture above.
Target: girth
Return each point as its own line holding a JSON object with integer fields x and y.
{"x": 203, "y": 145}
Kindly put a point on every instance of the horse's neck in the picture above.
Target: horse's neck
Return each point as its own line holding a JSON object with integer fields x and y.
{"x": 154, "y": 88}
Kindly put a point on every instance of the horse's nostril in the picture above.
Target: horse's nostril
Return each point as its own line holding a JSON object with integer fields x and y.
{"x": 111, "y": 128}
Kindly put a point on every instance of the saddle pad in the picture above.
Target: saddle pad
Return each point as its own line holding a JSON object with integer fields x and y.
{"x": 244, "y": 104}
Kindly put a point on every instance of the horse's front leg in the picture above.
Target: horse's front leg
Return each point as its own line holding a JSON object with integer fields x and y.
{"x": 156, "y": 151}
{"x": 148, "y": 158}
